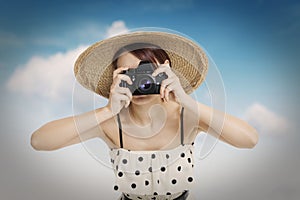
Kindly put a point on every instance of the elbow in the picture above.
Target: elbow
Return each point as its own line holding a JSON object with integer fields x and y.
{"x": 248, "y": 141}
{"x": 35, "y": 143}
{"x": 38, "y": 144}
{"x": 252, "y": 139}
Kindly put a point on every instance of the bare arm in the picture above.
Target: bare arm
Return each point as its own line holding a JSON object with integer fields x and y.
{"x": 63, "y": 132}
{"x": 235, "y": 132}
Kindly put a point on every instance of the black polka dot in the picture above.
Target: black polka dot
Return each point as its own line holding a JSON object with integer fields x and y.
{"x": 179, "y": 168}
{"x": 146, "y": 182}
{"x": 174, "y": 181}
{"x": 155, "y": 193}
{"x": 153, "y": 156}
{"x": 133, "y": 185}
{"x": 192, "y": 165}
{"x": 162, "y": 169}
{"x": 190, "y": 179}
{"x": 182, "y": 155}
{"x": 157, "y": 181}
{"x": 140, "y": 159}
{"x": 137, "y": 172}
{"x": 118, "y": 152}
{"x": 192, "y": 143}
{"x": 189, "y": 160}
{"x": 116, "y": 187}
{"x": 191, "y": 152}
{"x": 140, "y": 198}
{"x": 167, "y": 156}
{"x": 120, "y": 174}
{"x": 124, "y": 161}
{"x": 153, "y": 198}
{"x": 168, "y": 193}
{"x": 150, "y": 169}
{"x": 117, "y": 167}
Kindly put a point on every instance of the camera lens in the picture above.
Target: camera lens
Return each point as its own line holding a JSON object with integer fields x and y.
{"x": 145, "y": 84}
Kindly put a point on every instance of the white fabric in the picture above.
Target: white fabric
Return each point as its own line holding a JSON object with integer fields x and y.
{"x": 170, "y": 173}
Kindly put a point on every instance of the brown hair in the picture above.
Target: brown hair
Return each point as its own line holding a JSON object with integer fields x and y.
{"x": 143, "y": 51}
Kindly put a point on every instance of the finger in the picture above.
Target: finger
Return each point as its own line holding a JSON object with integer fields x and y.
{"x": 162, "y": 90}
{"x": 167, "y": 92}
{"x": 160, "y": 69}
{"x": 122, "y": 98}
{"x": 118, "y": 71}
{"x": 123, "y": 90}
{"x": 118, "y": 79}
{"x": 166, "y": 64}
{"x": 127, "y": 104}
{"x": 164, "y": 84}
{"x": 118, "y": 102}
{"x": 124, "y": 78}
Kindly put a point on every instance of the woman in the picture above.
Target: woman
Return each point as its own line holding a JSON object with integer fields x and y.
{"x": 151, "y": 136}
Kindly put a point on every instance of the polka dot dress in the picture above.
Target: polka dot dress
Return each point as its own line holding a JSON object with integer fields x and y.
{"x": 153, "y": 174}
{"x": 162, "y": 174}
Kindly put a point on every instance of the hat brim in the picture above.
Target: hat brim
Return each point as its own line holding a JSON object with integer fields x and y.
{"x": 94, "y": 70}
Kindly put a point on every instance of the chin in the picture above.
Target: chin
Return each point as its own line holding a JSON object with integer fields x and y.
{"x": 141, "y": 99}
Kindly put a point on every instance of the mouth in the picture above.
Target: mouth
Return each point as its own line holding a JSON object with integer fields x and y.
{"x": 144, "y": 96}
{"x": 139, "y": 96}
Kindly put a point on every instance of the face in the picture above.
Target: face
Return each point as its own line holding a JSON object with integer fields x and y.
{"x": 130, "y": 61}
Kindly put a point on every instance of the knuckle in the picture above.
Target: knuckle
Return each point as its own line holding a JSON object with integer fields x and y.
{"x": 116, "y": 72}
{"x": 163, "y": 82}
{"x": 112, "y": 87}
{"x": 119, "y": 76}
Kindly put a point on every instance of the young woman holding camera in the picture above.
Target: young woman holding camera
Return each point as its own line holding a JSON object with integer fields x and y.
{"x": 151, "y": 136}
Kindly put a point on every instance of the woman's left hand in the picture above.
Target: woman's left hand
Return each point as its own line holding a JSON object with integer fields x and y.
{"x": 171, "y": 85}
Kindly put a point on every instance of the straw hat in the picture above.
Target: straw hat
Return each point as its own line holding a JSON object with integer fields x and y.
{"x": 93, "y": 68}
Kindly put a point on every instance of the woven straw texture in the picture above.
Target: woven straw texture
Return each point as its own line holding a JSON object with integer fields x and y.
{"x": 93, "y": 69}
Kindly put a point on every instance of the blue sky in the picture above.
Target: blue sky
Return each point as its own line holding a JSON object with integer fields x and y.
{"x": 247, "y": 40}
{"x": 255, "y": 45}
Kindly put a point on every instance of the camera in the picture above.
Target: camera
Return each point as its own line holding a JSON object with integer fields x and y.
{"x": 143, "y": 82}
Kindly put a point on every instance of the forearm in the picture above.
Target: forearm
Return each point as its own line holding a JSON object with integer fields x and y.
{"x": 58, "y": 133}
{"x": 232, "y": 130}
{"x": 87, "y": 121}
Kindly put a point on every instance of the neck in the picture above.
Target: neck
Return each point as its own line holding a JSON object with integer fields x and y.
{"x": 140, "y": 111}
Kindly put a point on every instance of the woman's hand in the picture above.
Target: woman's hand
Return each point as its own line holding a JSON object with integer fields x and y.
{"x": 119, "y": 96}
{"x": 171, "y": 85}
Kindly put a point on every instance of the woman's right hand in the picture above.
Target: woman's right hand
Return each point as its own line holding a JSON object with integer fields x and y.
{"x": 119, "y": 96}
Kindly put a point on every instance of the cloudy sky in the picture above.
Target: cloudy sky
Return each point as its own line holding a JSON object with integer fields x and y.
{"x": 254, "y": 50}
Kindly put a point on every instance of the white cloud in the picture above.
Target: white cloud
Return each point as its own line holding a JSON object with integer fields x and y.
{"x": 117, "y": 27}
{"x": 50, "y": 77}
{"x": 264, "y": 120}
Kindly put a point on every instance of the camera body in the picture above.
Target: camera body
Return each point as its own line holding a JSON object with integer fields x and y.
{"x": 143, "y": 82}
